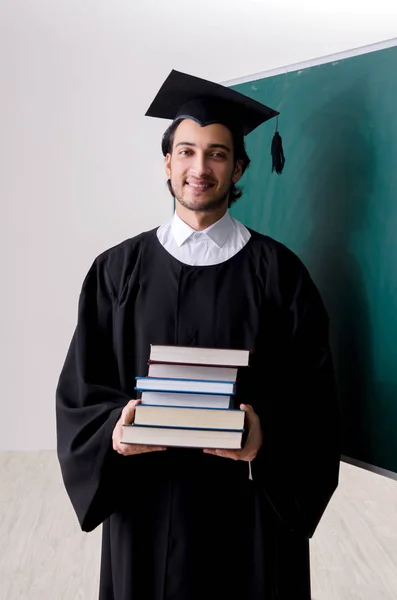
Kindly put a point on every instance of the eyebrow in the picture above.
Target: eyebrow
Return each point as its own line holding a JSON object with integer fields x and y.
{"x": 223, "y": 146}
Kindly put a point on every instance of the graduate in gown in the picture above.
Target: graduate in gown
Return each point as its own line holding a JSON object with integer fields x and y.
{"x": 190, "y": 524}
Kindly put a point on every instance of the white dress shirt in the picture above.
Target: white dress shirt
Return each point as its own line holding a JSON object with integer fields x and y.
{"x": 212, "y": 246}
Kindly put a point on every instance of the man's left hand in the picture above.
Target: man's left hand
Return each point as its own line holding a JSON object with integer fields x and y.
{"x": 253, "y": 441}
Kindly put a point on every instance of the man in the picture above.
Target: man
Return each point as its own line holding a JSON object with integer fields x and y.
{"x": 182, "y": 524}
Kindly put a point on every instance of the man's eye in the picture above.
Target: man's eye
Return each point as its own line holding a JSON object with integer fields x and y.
{"x": 185, "y": 152}
{"x": 217, "y": 155}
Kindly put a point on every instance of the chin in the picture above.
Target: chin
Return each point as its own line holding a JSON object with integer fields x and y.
{"x": 205, "y": 205}
{"x": 201, "y": 202}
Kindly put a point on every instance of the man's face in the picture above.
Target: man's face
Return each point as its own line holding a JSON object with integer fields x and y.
{"x": 201, "y": 167}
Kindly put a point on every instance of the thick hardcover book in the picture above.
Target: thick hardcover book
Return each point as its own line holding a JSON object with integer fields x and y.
{"x": 182, "y": 437}
{"x": 198, "y": 418}
{"x": 199, "y": 356}
{"x": 174, "y": 371}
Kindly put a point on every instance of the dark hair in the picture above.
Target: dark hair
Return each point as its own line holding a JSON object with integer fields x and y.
{"x": 238, "y": 151}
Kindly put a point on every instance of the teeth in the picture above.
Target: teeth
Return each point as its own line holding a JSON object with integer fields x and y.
{"x": 202, "y": 187}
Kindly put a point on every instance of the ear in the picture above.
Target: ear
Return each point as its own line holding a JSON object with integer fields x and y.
{"x": 168, "y": 166}
{"x": 238, "y": 171}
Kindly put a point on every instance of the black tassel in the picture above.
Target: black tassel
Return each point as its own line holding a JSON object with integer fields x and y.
{"x": 277, "y": 152}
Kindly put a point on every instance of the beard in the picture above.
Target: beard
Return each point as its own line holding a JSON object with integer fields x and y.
{"x": 205, "y": 205}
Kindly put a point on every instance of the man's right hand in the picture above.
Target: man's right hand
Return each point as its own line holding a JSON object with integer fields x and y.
{"x": 127, "y": 417}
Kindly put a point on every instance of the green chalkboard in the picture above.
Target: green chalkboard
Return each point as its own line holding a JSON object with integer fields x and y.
{"x": 335, "y": 206}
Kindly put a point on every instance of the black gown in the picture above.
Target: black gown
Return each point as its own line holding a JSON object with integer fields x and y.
{"x": 181, "y": 524}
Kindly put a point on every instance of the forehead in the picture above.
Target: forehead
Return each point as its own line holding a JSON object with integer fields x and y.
{"x": 190, "y": 131}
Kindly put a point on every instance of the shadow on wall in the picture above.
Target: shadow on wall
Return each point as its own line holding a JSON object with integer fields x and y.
{"x": 339, "y": 187}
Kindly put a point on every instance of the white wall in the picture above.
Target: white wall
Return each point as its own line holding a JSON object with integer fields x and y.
{"x": 81, "y": 167}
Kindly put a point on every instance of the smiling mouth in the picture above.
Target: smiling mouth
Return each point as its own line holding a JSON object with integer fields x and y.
{"x": 202, "y": 186}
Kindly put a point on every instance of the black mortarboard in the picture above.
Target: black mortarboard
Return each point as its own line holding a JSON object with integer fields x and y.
{"x": 183, "y": 96}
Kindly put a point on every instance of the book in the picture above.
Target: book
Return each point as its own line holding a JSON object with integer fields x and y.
{"x": 199, "y": 356}
{"x": 190, "y": 400}
{"x": 185, "y": 399}
{"x": 199, "y": 418}
{"x": 174, "y": 371}
{"x": 182, "y": 437}
{"x": 184, "y": 386}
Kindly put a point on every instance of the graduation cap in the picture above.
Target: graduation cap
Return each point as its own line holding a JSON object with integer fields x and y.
{"x": 184, "y": 96}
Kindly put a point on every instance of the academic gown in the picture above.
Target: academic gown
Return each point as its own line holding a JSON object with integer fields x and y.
{"x": 180, "y": 524}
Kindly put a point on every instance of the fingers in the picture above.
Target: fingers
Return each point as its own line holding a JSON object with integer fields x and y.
{"x": 246, "y": 454}
{"x": 128, "y": 413}
{"x": 249, "y": 413}
{"x": 253, "y": 441}
{"x": 132, "y": 449}
{"x": 126, "y": 418}
{"x": 232, "y": 454}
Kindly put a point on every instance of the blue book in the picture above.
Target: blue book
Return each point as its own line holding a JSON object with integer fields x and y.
{"x": 186, "y": 386}
{"x": 190, "y": 400}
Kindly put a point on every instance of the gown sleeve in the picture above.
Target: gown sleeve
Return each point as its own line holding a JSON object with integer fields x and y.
{"x": 298, "y": 464}
{"x": 89, "y": 402}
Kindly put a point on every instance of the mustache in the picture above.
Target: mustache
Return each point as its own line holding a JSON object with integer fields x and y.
{"x": 201, "y": 179}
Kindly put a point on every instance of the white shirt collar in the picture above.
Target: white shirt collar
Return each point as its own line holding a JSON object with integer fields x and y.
{"x": 218, "y": 232}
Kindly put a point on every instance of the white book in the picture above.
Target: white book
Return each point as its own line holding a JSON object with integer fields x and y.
{"x": 198, "y": 418}
{"x": 190, "y": 400}
{"x": 205, "y": 372}
{"x": 188, "y": 438}
{"x": 184, "y": 385}
{"x": 199, "y": 356}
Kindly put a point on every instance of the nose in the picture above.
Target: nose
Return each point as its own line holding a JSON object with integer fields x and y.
{"x": 200, "y": 166}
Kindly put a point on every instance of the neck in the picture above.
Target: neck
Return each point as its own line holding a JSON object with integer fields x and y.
{"x": 200, "y": 220}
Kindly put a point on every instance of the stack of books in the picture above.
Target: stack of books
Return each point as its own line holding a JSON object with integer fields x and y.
{"x": 186, "y": 399}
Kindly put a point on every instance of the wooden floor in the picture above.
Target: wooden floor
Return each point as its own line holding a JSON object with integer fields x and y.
{"x": 45, "y": 556}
